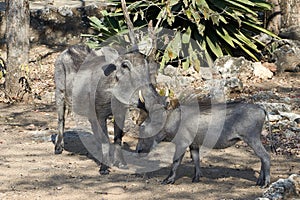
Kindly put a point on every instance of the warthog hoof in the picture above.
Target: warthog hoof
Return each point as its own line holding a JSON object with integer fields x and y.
{"x": 104, "y": 170}
{"x": 263, "y": 182}
{"x": 196, "y": 179}
{"x": 58, "y": 149}
{"x": 168, "y": 181}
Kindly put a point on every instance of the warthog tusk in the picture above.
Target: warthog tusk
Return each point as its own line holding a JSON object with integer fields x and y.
{"x": 141, "y": 97}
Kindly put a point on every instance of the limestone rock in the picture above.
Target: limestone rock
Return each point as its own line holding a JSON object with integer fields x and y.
{"x": 283, "y": 189}
{"x": 286, "y": 57}
{"x": 261, "y": 71}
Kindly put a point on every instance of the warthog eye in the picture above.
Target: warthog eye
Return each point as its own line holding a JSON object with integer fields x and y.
{"x": 126, "y": 64}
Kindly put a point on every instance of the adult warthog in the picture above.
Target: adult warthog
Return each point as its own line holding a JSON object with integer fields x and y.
{"x": 208, "y": 126}
{"x": 98, "y": 84}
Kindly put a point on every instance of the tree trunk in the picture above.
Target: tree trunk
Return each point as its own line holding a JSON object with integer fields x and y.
{"x": 17, "y": 40}
{"x": 273, "y": 22}
{"x": 290, "y": 13}
{"x": 285, "y": 14}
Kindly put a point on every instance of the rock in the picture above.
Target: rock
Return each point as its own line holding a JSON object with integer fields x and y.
{"x": 192, "y": 72}
{"x": 65, "y": 11}
{"x": 264, "y": 38}
{"x": 116, "y": 190}
{"x": 292, "y": 32}
{"x": 286, "y": 100}
{"x": 289, "y": 134}
{"x": 185, "y": 81}
{"x": 234, "y": 85}
{"x": 206, "y": 73}
{"x": 176, "y": 81}
{"x": 271, "y": 66}
{"x": 261, "y": 71}
{"x": 166, "y": 80}
{"x": 295, "y": 129}
{"x": 265, "y": 96}
{"x": 169, "y": 70}
{"x": 235, "y": 72}
{"x": 291, "y": 116}
{"x": 283, "y": 189}
{"x": 274, "y": 118}
{"x": 276, "y": 107}
{"x": 60, "y": 22}
{"x": 40, "y": 135}
{"x": 286, "y": 57}
{"x": 234, "y": 67}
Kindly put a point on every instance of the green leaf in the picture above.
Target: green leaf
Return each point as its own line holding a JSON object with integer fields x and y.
{"x": 186, "y": 36}
{"x": 245, "y": 50}
{"x": 162, "y": 14}
{"x": 186, "y": 3}
{"x": 215, "y": 19}
{"x": 246, "y": 40}
{"x": 222, "y": 18}
{"x": 173, "y": 2}
{"x": 174, "y": 46}
{"x": 186, "y": 64}
{"x": 204, "y": 8}
{"x": 241, "y": 7}
{"x": 202, "y": 3}
{"x": 261, "y": 29}
{"x": 195, "y": 15}
{"x": 188, "y": 13}
{"x": 225, "y": 36}
{"x": 96, "y": 23}
{"x": 136, "y": 15}
{"x": 214, "y": 46}
{"x": 218, "y": 26}
{"x": 263, "y": 4}
{"x": 247, "y": 2}
{"x": 201, "y": 29}
{"x": 197, "y": 65}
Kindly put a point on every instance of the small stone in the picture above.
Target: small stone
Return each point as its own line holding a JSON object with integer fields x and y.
{"x": 271, "y": 66}
{"x": 288, "y": 133}
{"x": 30, "y": 127}
{"x": 261, "y": 71}
{"x": 206, "y": 73}
{"x": 116, "y": 190}
{"x": 291, "y": 116}
{"x": 274, "y": 118}
{"x": 59, "y": 188}
{"x": 169, "y": 70}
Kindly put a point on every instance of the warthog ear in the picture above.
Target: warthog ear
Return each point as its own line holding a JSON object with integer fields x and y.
{"x": 108, "y": 69}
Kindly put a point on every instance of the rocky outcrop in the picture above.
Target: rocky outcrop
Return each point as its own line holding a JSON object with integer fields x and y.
{"x": 227, "y": 75}
{"x": 288, "y": 188}
{"x": 286, "y": 56}
{"x": 58, "y": 23}
{"x": 238, "y": 71}
{"x": 292, "y": 33}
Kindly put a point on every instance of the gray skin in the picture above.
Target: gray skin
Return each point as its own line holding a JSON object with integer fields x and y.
{"x": 242, "y": 121}
{"x": 115, "y": 76}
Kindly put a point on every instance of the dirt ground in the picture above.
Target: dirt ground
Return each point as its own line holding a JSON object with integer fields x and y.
{"x": 30, "y": 170}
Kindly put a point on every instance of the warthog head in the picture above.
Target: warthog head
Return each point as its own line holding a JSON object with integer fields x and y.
{"x": 135, "y": 81}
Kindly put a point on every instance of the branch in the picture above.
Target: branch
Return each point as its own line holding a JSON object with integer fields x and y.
{"x": 129, "y": 24}
{"x": 152, "y": 33}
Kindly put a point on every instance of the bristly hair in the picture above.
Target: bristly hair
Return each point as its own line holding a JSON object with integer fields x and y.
{"x": 201, "y": 100}
{"x": 78, "y": 54}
